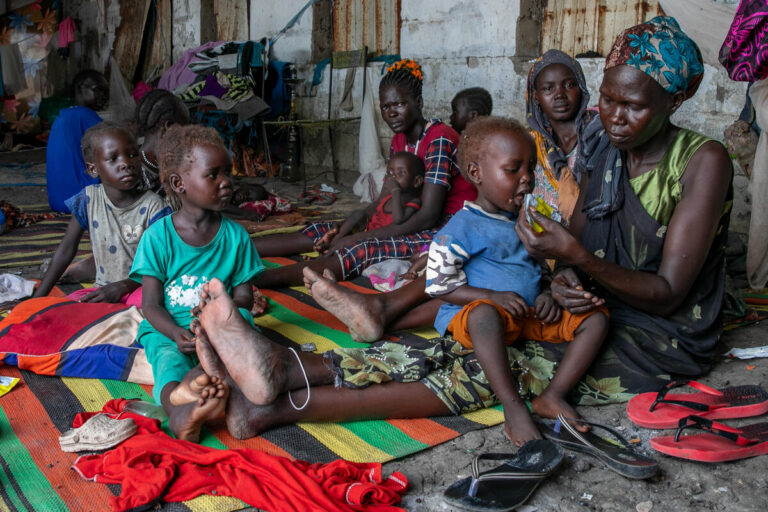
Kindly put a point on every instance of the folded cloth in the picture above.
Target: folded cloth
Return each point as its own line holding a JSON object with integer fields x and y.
{"x": 152, "y": 466}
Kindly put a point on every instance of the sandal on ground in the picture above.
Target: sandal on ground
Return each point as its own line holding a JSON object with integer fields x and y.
{"x": 618, "y": 455}
{"x": 718, "y": 443}
{"x": 509, "y": 485}
{"x": 98, "y": 433}
{"x": 664, "y": 410}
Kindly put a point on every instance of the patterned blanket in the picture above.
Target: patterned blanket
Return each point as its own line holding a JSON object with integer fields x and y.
{"x": 47, "y": 342}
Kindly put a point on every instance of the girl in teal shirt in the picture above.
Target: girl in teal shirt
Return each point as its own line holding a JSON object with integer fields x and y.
{"x": 175, "y": 257}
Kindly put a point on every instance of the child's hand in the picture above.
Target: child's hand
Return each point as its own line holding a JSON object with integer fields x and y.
{"x": 512, "y": 302}
{"x": 570, "y": 295}
{"x": 417, "y": 265}
{"x": 390, "y": 184}
{"x": 185, "y": 341}
{"x": 112, "y": 293}
{"x": 546, "y": 309}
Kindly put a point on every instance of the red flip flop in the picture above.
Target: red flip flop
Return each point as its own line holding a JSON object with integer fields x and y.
{"x": 663, "y": 410}
{"x": 719, "y": 443}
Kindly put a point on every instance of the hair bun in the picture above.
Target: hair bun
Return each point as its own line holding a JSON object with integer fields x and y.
{"x": 408, "y": 64}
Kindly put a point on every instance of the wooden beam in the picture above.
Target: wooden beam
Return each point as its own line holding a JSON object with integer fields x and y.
{"x": 129, "y": 35}
{"x": 160, "y": 49}
{"x": 231, "y": 19}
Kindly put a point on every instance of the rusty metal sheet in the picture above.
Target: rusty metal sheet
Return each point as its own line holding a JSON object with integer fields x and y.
{"x": 371, "y": 23}
{"x": 578, "y": 26}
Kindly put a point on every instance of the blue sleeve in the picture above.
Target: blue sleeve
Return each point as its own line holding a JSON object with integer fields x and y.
{"x": 159, "y": 215}
{"x": 248, "y": 264}
{"x": 152, "y": 254}
{"x": 78, "y": 205}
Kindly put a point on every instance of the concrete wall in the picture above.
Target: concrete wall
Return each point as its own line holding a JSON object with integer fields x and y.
{"x": 463, "y": 44}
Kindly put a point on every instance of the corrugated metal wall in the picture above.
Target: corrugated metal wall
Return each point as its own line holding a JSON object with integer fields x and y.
{"x": 371, "y": 23}
{"x": 577, "y": 26}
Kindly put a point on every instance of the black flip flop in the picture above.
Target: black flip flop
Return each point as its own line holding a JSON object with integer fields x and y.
{"x": 509, "y": 485}
{"x": 619, "y": 456}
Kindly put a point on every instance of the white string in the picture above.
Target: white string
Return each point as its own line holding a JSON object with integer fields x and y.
{"x": 306, "y": 379}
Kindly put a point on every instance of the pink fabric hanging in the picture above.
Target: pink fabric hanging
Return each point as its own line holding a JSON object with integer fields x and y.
{"x": 67, "y": 29}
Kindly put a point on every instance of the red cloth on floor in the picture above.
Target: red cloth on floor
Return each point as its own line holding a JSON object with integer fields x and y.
{"x": 155, "y": 466}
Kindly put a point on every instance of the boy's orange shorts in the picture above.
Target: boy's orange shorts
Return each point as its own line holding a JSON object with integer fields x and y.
{"x": 529, "y": 328}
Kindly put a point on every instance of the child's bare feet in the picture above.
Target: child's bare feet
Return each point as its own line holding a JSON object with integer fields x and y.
{"x": 186, "y": 420}
{"x": 260, "y": 368}
{"x": 362, "y": 314}
{"x": 519, "y": 425}
{"x": 550, "y": 404}
{"x": 191, "y": 387}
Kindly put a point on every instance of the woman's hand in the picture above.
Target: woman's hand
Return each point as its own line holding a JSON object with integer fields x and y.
{"x": 345, "y": 241}
{"x": 555, "y": 242}
{"x": 567, "y": 291}
{"x": 326, "y": 240}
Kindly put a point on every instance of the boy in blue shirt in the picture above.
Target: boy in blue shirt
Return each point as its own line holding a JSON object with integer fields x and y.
{"x": 479, "y": 266}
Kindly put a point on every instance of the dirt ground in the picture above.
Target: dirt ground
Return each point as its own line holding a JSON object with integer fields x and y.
{"x": 582, "y": 483}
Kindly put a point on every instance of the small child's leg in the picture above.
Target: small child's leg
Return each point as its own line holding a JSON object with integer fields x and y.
{"x": 487, "y": 331}
{"x": 186, "y": 420}
{"x": 578, "y": 357}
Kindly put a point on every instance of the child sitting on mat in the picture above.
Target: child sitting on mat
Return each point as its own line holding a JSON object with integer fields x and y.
{"x": 115, "y": 212}
{"x": 398, "y": 200}
{"x": 179, "y": 254}
{"x": 491, "y": 285}
{"x": 465, "y": 106}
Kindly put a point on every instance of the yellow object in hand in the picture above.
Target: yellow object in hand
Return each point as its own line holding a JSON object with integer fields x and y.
{"x": 542, "y": 207}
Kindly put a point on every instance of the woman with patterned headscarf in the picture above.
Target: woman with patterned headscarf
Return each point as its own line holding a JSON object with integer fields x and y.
{"x": 556, "y": 110}
{"x": 653, "y": 221}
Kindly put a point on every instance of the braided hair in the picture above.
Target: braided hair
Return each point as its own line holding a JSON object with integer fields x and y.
{"x": 477, "y": 99}
{"x": 158, "y": 107}
{"x": 404, "y": 73}
{"x": 91, "y": 135}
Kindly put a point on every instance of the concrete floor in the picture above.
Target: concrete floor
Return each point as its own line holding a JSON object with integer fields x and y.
{"x": 582, "y": 483}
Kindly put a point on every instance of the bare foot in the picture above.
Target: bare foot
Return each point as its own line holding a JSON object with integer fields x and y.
{"x": 519, "y": 425}
{"x": 187, "y": 420}
{"x": 362, "y": 314}
{"x": 209, "y": 359}
{"x": 260, "y": 368}
{"x": 190, "y": 388}
{"x": 549, "y": 405}
{"x": 244, "y": 418}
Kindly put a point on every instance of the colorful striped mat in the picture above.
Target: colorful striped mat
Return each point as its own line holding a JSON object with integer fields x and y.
{"x": 31, "y": 245}
{"x": 35, "y": 474}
